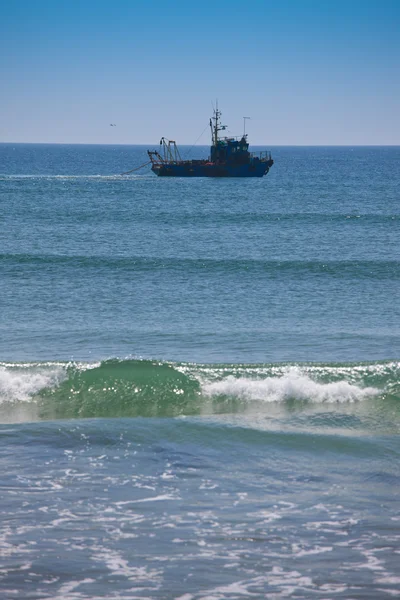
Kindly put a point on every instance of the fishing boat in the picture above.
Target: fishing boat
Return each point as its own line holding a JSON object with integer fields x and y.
{"x": 229, "y": 157}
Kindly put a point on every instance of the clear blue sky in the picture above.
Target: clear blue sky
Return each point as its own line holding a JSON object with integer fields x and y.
{"x": 306, "y": 71}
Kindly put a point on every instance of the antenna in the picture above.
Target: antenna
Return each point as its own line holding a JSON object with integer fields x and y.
{"x": 244, "y": 125}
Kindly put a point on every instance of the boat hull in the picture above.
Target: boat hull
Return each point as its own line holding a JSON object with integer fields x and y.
{"x": 212, "y": 170}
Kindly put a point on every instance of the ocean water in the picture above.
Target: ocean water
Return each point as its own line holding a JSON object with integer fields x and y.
{"x": 199, "y": 379}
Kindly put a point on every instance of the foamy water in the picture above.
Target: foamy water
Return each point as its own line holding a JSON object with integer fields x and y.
{"x": 24, "y": 382}
{"x": 292, "y": 385}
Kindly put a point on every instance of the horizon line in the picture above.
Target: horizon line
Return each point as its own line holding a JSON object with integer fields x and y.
{"x": 204, "y": 145}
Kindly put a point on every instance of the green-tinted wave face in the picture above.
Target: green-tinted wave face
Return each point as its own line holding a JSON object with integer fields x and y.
{"x": 122, "y": 389}
{"x": 337, "y": 394}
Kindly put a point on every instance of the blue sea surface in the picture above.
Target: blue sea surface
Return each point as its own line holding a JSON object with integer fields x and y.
{"x": 199, "y": 378}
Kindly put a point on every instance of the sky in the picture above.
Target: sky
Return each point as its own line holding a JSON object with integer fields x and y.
{"x": 306, "y": 72}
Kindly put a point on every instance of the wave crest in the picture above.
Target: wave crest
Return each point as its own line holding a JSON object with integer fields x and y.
{"x": 23, "y": 382}
{"x": 149, "y": 388}
{"x": 292, "y": 385}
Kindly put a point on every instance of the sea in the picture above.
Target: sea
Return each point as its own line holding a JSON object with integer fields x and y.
{"x": 199, "y": 378}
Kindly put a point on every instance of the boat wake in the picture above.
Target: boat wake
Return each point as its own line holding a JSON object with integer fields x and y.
{"x": 81, "y": 177}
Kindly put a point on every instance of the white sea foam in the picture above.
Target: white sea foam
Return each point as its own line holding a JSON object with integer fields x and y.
{"x": 21, "y": 383}
{"x": 292, "y": 384}
{"x": 64, "y": 592}
{"x": 154, "y": 499}
{"x": 121, "y": 567}
{"x": 298, "y": 550}
{"x": 389, "y": 579}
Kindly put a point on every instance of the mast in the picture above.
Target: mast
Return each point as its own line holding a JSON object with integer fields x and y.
{"x": 216, "y": 126}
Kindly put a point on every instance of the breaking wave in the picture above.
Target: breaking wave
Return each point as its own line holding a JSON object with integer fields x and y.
{"x": 292, "y": 385}
{"x": 149, "y": 388}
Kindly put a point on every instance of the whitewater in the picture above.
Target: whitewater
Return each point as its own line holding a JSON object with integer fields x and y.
{"x": 199, "y": 380}
{"x": 153, "y": 388}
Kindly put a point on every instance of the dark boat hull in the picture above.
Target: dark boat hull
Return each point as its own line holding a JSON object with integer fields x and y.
{"x": 229, "y": 157}
{"x": 187, "y": 169}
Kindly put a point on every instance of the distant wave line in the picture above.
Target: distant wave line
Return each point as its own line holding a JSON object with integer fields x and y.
{"x": 339, "y": 268}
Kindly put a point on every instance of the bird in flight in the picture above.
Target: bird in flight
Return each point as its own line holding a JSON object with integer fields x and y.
{"x": 112, "y": 125}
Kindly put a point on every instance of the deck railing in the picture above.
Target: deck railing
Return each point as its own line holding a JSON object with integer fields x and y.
{"x": 264, "y": 154}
